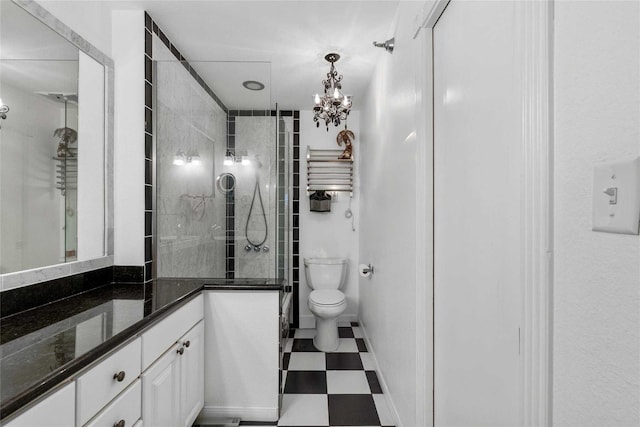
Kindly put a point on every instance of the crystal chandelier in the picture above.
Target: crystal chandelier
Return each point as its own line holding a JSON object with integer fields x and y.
{"x": 333, "y": 106}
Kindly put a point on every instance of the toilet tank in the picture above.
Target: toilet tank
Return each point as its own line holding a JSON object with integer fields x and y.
{"x": 325, "y": 273}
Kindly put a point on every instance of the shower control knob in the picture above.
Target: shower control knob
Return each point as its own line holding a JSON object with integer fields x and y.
{"x": 256, "y": 248}
{"x": 247, "y": 248}
{"x": 265, "y": 249}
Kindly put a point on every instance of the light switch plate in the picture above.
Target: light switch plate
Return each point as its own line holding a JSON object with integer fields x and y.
{"x": 616, "y": 197}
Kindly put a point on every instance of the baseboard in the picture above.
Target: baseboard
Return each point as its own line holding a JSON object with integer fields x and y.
{"x": 307, "y": 321}
{"x": 347, "y": 318}
{"x": 381, "y": 379}
{"x": 245, "y": 414}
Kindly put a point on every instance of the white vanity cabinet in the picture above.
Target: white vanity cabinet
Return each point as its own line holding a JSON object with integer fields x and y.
{"x": 242, "y": 337}
{"x": 156, "y": 378}
{"x": 173, "y": 368}
{"x": 173, "y": 386}
{"x": 56, "y": 410}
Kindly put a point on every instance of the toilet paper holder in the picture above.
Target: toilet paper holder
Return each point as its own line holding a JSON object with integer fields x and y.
{"x": 366, "y": 270}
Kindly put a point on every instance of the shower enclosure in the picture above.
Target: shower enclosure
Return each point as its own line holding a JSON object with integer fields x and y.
{"x": 221, "y": 173}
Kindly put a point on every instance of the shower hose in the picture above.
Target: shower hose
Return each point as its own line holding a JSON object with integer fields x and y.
{"x": 256, "y": 246}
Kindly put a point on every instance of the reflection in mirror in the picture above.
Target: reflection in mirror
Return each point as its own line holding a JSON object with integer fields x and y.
{"x": 54, "y": 198}
{"x": 39, "y": 143}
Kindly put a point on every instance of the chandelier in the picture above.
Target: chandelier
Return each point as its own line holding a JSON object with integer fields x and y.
{"x": 333, "y": 106}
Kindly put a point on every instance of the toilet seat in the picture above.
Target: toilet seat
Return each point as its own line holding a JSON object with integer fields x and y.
{"x": 326, "y": 297}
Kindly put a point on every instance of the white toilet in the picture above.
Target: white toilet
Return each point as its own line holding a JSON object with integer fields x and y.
{"x": 326, "y": 276}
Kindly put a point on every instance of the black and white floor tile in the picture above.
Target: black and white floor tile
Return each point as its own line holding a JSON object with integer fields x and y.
{"x": 331, "y": 389}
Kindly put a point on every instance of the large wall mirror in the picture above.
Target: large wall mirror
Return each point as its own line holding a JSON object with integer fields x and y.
{"x": 56, "y": 149}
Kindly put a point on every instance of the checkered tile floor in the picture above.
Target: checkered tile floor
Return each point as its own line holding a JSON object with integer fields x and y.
{"x": 331, "y": 389}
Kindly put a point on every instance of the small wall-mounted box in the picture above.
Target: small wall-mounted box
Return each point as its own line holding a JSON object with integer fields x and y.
{"x": 616, "y": 197}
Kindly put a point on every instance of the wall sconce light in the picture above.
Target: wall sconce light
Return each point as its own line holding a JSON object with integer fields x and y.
{"x": 229, "y": 159}
{"x": 194, "y": 158}
{"x": 180, "y": 158}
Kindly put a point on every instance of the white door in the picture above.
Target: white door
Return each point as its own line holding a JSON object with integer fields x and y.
{"x": 477, "y": 274}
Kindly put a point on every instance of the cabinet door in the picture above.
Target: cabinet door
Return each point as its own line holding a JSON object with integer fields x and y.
{"x": 55, "y": 410}
{"x": 161, "y": 391}
{"x": 192, "y": 372}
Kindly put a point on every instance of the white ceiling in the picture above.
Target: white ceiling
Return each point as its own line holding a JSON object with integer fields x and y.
{"x": 283, "y": 43}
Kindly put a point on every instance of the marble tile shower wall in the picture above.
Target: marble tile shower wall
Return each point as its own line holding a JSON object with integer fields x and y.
{"x": 190, "y": 214}
{"x": 255, "y": 136}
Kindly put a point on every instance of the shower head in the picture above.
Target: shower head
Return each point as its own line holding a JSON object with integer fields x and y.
{"x": 64, "y": 135}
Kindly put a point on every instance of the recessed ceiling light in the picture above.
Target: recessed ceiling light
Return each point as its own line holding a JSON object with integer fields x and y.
{"x": 253, "y": 85}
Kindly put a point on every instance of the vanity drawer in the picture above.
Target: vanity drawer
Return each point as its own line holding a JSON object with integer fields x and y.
{"x": 98, "y": 386}
{"x": 56, "y": 410}
{"x": 127, "y": 408}
{"x": 165, "y": 333}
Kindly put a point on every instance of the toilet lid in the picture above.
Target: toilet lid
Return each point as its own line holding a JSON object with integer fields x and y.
{"x": 326, "y": 297}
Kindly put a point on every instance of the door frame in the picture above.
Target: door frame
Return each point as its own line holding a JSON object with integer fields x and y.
{"x": 535, "y": 45}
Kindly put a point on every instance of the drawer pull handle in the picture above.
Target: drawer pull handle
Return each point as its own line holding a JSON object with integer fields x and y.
{"x": 120, "y": 423}
{"x": 187, "y": 343}
{"x": 180, "y": 350}
{"x": 119, "y": 377}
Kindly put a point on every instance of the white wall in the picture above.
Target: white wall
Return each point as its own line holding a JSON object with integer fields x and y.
{"x": 392, "y": 176}
{"x": 128, "y": 48}
{"x": 597, "y": 275}
{"x": 329, "y": 234}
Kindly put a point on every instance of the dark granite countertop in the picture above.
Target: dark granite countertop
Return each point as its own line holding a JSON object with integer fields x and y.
{"x": 42, "y": 347}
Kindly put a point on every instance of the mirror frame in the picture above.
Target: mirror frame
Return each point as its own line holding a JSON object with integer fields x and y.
{"x": 40, "y": 274}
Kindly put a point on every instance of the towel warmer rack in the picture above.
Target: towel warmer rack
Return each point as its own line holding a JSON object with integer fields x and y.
{"x": 325, "y": 171}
